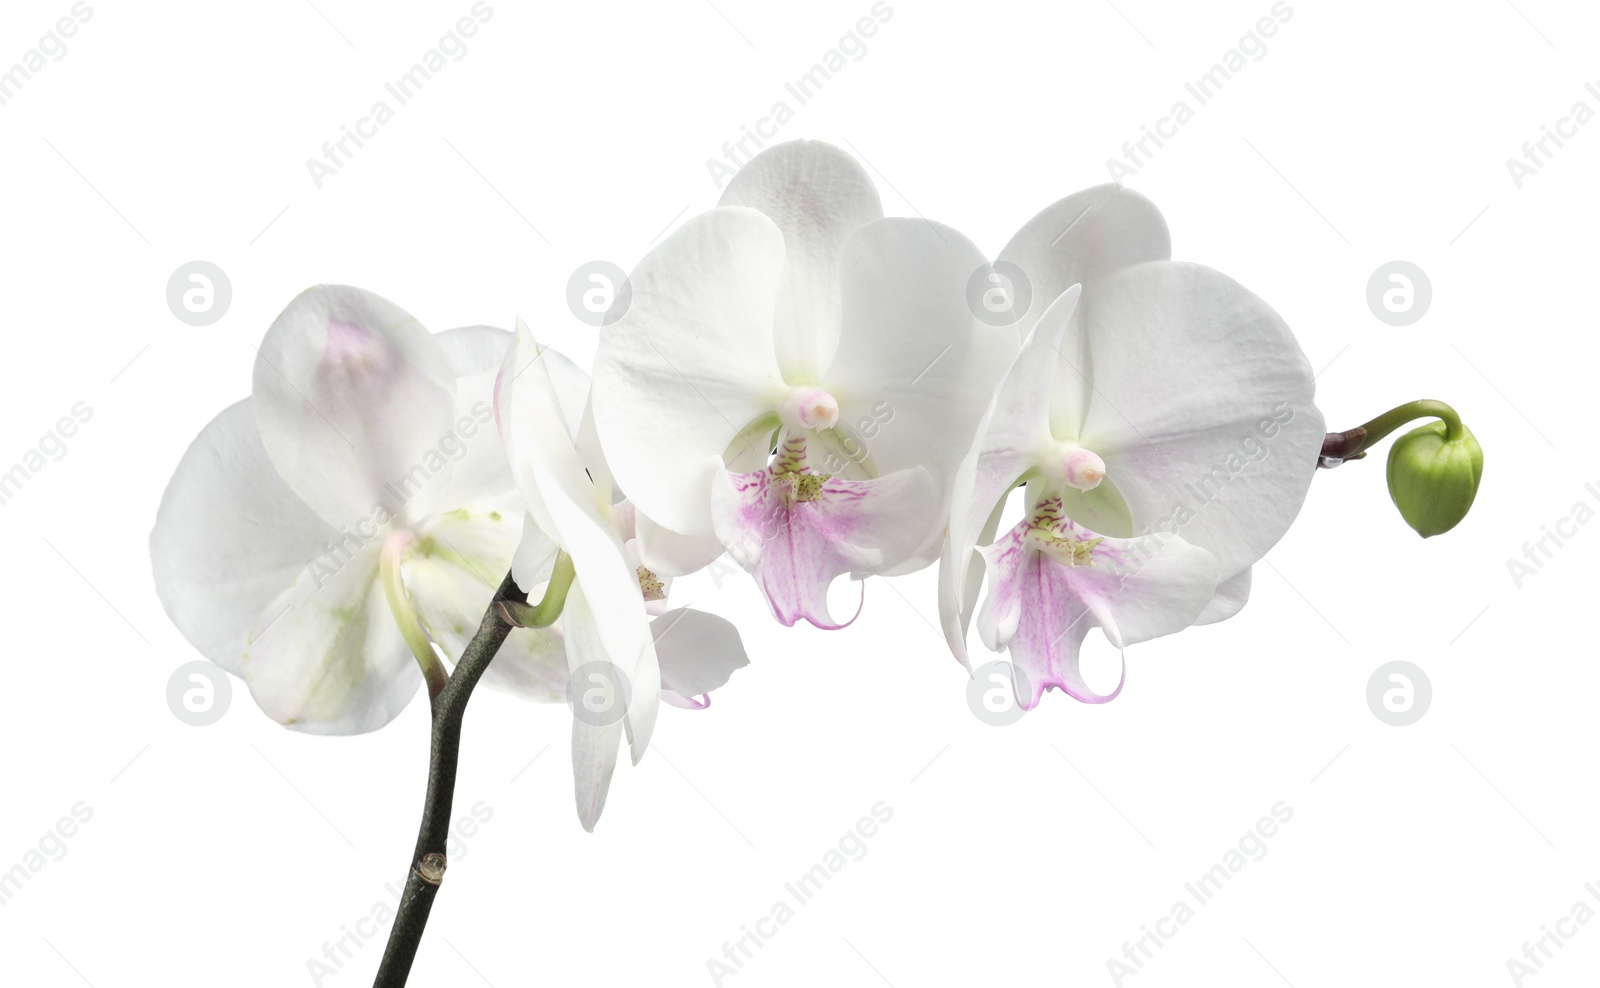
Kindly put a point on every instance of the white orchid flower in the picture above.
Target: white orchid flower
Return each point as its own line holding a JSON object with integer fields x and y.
{"x": 621, "y": 663}
{"x": 328, "y": 537}
{"x": 795, "y": 318}
{"x": 1167, "y": 403}
{"x": 1210, "y": 385}
{"x": 1052, "y": 579}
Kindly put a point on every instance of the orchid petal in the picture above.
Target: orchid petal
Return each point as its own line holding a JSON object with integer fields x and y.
{"x": 1082, "y": 238}
{"x": 452, "y": 569}
{"x": 1079, "y": 240}
{"x": 960, "y": 576}
{"x": 352, "y": 395}
{"x": 912, "y": 348}
{"x": 699, "y": 652}
{"x": 961, "y": 572}
{"x": 1017, "y": 426}
{"x": 1202, "y": 409}
{"x": 481, "y": 482}
{"x": 594, "y": 760}
{"x": 691, "y": 363}
{"x": 230, "y": 537}
{"x": 817, "y": 195}
{"x": 1232, "y": 594}
{"x": 594, "y": 745}
{"x": 686, "y": 702}
{"x": 668, "y": 553}
{"x": 916, "y": 370}
{"x": 1014, "y": 429}
{"x": 535, "y": 556}
{"x": 474, "y": 349}
{"x": 531, "y": 665}
{"x": 571, "y": 385}
{"x": 451, "y": 575}
{"x": 644, "y": 699}
{"x": 574, "y": 513}
{"x": 480, "y": 477}
{"x": 327, "y": 657}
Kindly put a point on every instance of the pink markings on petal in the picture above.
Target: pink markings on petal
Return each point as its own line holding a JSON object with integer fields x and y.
{"x": 796, "y": 530}
{"x": 624, "y": 518}
{"x": 363, "y": 376}
{"x": 1051, "y": 581}
{"x": 352, "y": 355}
{"x": 793, "y": 532}
{"x": 700, "y": 702}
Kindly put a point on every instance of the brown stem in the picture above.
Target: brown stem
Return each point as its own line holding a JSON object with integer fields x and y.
{"x": 428, "y": 862}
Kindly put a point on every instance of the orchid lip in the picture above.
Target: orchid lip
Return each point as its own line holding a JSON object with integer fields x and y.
{"x": 650, "y": 584}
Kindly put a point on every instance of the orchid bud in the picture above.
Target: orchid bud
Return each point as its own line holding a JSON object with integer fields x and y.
{"x": 1433, "y": 478}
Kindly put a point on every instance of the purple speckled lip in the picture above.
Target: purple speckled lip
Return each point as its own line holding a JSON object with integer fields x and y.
{"x": 796, "y": 542}
{"x": 796, "y": 530}
{"x": 1051, "y": 580}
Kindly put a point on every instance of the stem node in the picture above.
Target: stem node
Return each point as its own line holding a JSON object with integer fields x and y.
{"x": 449, "y": 710}
{"x": 431, "y": 868}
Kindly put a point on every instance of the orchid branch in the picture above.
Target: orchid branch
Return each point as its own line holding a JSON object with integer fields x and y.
{"x": 449, "y": 710}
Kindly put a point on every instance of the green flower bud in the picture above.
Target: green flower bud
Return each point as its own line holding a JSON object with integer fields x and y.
{"x": 1433, "y": 479}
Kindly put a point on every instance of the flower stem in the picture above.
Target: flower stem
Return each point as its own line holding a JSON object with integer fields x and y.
{"x": 1394, "y": 418}
{"x": 548, "y": 610}
{"x": 428, "y": 863}
{"x": 395, "y": 549}
{"x": 1353, "y": 444}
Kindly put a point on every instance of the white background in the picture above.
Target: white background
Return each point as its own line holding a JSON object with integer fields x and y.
{"x": 1024, "y": 855}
